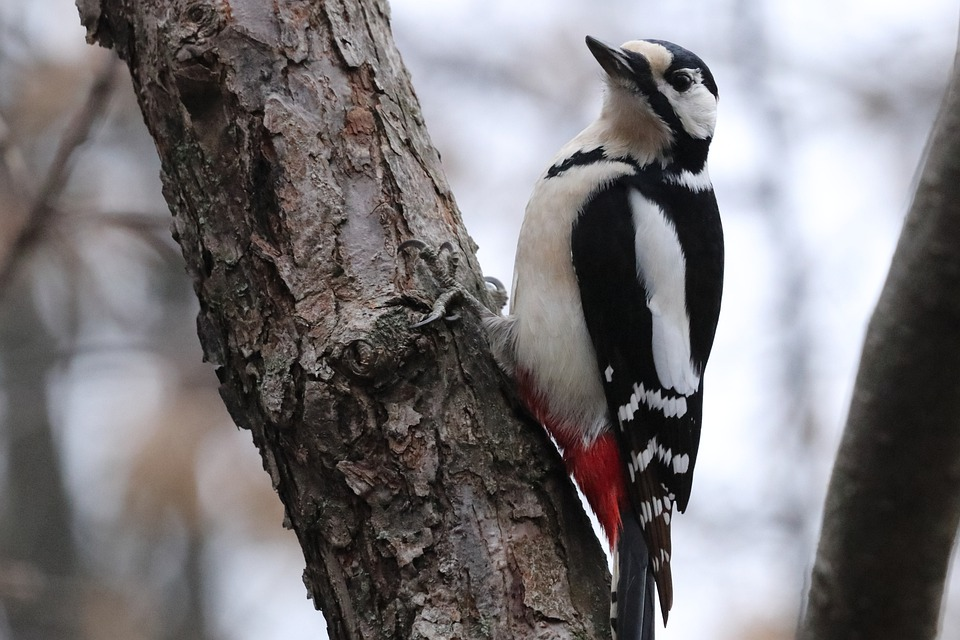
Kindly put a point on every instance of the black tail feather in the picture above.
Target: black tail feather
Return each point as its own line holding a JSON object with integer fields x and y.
{"x": 632, "y": 612}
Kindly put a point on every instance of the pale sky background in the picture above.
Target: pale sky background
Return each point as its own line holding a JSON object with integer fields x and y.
{"x": 824, "y": 112}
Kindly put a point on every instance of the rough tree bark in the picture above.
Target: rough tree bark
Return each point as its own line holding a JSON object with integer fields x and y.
{"x": 893, "y": 504}
{"x": 295, "y": 161}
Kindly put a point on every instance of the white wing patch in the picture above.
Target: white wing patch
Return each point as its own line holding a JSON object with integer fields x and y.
{"x": 662, "y": 268}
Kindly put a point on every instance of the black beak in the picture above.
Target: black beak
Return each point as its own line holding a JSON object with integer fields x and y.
{"x": 613, "y": 60}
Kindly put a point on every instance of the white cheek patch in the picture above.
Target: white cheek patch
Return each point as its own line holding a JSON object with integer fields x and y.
{"x": 696, "y": 107}
{"x": 662, "y": 268}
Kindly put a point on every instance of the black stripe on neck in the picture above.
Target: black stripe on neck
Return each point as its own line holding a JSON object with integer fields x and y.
{"x": 577, "y": 159}
{"x": 692, "y": 157}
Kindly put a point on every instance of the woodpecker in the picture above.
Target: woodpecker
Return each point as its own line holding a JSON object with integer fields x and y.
{"x": 616, "y": 297}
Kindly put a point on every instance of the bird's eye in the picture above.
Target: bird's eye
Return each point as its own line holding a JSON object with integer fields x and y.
{"x": 681, "y": 81}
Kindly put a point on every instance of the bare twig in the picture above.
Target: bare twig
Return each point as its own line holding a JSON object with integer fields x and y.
{"x": 150, "y": 228}
{"x": 43, "y": 208}
{"x": 11, "y": 157}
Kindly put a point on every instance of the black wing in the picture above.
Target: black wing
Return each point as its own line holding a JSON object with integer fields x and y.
{"x": 659, "y": 430}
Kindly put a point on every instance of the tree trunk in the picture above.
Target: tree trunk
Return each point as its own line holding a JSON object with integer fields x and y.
{"x": 38, "y": 569}
{"x": 295, "y": 161}
{"x": 893, "y": 504}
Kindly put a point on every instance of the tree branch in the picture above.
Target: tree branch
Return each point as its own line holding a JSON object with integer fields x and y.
{"x": 43, "y": 205}
{"x": 893, "y": 504}
{"x": 295, "y": 161}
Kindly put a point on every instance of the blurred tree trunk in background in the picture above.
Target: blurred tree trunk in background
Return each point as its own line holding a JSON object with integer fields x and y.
{"x": 36, "y": 537}
{"x": 42, "y": 589}
{"x": 893, "y": 504}
{"x": 295, "y": 161}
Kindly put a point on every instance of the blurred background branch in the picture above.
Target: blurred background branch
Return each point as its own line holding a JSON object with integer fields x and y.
{"x": 42, "y": 207}
{"x": 893, "y": 505}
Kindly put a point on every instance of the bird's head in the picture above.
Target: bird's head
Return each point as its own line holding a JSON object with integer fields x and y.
{"x": 661, "y": 100}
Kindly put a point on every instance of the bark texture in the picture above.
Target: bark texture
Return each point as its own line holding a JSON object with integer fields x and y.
{"x": 295, "y": 161}
{"x": 893, "y": 504}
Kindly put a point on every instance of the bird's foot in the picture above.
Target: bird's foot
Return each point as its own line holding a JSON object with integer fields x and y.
{"x": 443, "y": 263}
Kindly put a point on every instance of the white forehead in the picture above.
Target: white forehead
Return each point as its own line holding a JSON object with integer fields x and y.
{"x": 657, "y": 55}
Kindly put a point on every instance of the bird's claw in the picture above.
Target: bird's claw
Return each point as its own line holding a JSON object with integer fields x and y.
{"x": 443, "y": 263}
{"x": 440, "y": 308}
{"x": 406, "y": 244}
{"x": 427, "y": 320}
{"x": 497, "y": 292}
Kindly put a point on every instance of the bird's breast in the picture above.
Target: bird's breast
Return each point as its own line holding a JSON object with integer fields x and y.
{"x": 552, "y": 340}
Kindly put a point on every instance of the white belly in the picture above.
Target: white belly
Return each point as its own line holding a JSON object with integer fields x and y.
{"x": 552, "y": 341}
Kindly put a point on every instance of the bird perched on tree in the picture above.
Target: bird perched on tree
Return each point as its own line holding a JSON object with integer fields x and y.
{"x": 617, "y": 288}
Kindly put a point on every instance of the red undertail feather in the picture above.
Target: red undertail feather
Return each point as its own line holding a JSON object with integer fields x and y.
{"x": 597, "y": 468}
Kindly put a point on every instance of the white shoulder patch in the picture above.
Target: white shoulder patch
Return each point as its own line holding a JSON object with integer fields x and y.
{"x": 662, "y": 268}
{"x": 696, "y": 182}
